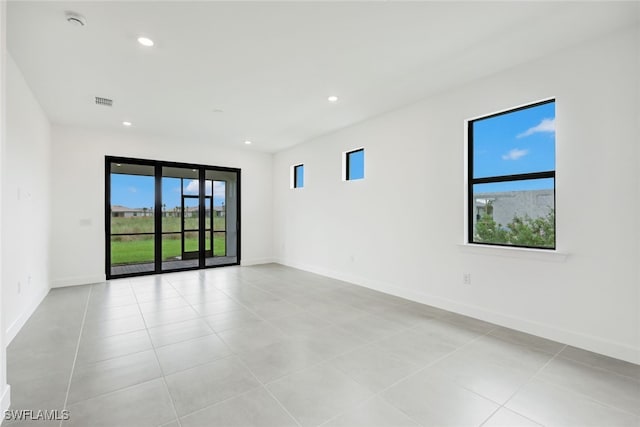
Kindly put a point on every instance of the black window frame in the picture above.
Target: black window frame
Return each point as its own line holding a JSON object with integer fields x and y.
{"x": 158, "y": 165}
{"x": 471, "y": 181}
{"x": 347, "y": 166}
{"x": 295, "y": 175}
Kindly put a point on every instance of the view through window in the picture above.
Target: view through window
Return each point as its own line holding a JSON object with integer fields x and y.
{"x": 512, "y": 177}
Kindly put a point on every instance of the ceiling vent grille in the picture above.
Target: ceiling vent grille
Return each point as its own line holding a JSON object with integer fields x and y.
{"x": 104, "y": 101}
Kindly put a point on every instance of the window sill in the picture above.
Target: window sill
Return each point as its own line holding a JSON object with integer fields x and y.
{"x": 521, "y": 253}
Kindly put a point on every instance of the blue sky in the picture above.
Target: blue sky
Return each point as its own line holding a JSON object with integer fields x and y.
{"x": 514, "y": 143}
{"x": 356, "y": 165}
{"x": 136, "y": 191}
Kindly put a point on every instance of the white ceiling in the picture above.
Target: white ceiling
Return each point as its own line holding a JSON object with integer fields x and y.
{"x": 270, "y": 66}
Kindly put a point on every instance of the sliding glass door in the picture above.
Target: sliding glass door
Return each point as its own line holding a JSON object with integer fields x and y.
{"x": 165, "y": 216}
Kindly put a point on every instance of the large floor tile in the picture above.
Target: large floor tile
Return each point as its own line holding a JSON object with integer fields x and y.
{"x": 204, "y": 385}
{"x": 103, "y": 313}
{"x": 374, "y": 367}
{"x": 107, "y": 328}
{"x": 233, "y": 319}
{"x": 417, "y": 346}
{"x": 374, "y": 413}
{"x": 507, "y": 418}
{"x": 256, "y": 408}
{"x": 373, "y": 327}
{"x": 252, "y": 338}
{"x": 615, "y": 390}
{"x": 493, "y": 368}
{"x": 334, "y": 341}
{"x": 25, "y": 365}
{"x": 176, "y": 332}
{"x": 162, "y": 305}
{"x": 316, "y": 395}
{"x": 551, "y": 405}
{"x": 281, "y": 358}
{"x": 334, "y": 311}
{"x": 270, "y": 345}
{"x": 527, "y": 340}
{"x": 300, "y": 324}
{"x": 210, "y": 308}
{"x": 96, "y": 349}
{"x": 172, "y": 315}
{"x": 273, "y": 309}
{"x": 187, "y": 354}
{"x": 602, "y": 362}
{"x": 102, "y": 377}
{"x": 435, "y": 400}
{"x": 45, "y": 392}
{"x": 147, "y": 404}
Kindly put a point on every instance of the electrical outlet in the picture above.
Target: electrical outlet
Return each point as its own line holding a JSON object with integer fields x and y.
{"x": 466, "y": 278}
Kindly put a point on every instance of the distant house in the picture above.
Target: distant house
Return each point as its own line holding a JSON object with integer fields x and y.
{"x": 191, "y": 212}
{"x": 503, "y": 206}
{"x": 118, "y": 211}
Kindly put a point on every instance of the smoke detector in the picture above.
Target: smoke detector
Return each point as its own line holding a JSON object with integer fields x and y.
{"x": 76, "y": 19}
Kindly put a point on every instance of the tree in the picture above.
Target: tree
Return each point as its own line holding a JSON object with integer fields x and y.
{"x": 521, "y": 231}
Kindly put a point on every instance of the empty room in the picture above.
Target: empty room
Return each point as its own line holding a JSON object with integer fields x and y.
{"x": 376, "y": 213}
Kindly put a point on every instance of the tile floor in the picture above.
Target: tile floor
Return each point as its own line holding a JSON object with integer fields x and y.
{"x": 274, "y": 346}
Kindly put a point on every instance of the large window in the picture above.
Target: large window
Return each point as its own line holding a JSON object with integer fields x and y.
{"x": 511, "y": 186}
{"x": 165, "y": 216}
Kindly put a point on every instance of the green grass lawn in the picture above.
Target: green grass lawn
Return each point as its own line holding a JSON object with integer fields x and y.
{"x": 144, "y": 224}
{"x": 140, "y": 251}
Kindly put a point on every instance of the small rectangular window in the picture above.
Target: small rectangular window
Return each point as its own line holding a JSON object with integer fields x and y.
{"x": 298, "y": 176}
{"x": 354, "y": 164}
{"x": 511, "y": 185}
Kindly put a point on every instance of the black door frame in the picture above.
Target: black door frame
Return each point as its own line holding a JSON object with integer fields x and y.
{"x": 158, "y": 165}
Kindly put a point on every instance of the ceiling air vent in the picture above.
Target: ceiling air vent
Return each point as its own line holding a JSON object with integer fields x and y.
{"x": 104, "y": 101}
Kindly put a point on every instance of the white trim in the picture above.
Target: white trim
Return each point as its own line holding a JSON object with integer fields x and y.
{"x": 5, "y": 401}
{"x": 514, "y": 252}
{"x": 78, "y": 280}
{"x": 576, "y": 339}
{"x": 256, "y": 261}
{"x": 15, "y": 327}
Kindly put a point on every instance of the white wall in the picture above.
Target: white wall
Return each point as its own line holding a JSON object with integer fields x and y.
{"x": 400, "y": 229}
{"x": 26, "y": 169}
{"x": 78, "y": 194}
{"x": 5, "y": 395}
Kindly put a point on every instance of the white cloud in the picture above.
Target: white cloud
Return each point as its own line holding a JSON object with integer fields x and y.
{"x": 515, "y": 154}
{"x": 546, "y": 125}
{"x": 133, "y": 190}
{"x": 218, "y": 188}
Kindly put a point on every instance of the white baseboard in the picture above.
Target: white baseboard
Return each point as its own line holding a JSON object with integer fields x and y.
{"x": 5, "y": 400}
{"x": 78, "y": 280}
{"x": 256, "y": 261}
{"x": 577, "y": 339}
{"x": 15, "y": 327}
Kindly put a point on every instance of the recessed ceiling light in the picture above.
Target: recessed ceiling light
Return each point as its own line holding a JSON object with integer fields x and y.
{"x": 145, "y": 41}
{"x": 118, "y": 164}
{"x": 332, "y": 98}
{"x": 247, "y": 142}
{"x": 127, "y": 124}
{"x": 194, "y": 170}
